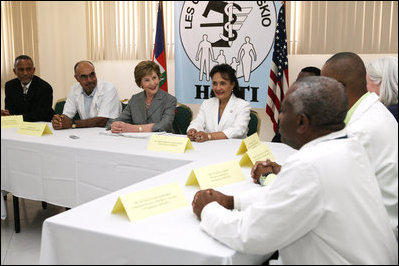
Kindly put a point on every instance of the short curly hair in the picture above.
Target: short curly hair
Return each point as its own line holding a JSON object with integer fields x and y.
{"x": 145, "y": 68}
{"x": 322, "y": 99}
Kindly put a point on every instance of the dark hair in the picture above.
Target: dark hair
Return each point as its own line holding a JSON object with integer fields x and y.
{"x": 227, "y": 73}
{"x": 349, "y": 69}
{"x": 22, "y": 57}
{"x": 311, "y": 69}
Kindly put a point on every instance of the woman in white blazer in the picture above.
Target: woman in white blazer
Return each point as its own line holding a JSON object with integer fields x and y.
{"x": 224, "y": 116}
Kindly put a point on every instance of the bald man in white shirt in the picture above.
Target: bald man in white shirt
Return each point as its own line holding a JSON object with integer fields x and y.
{"x": 94, "y": 100}
{"x": 372, "y": 124}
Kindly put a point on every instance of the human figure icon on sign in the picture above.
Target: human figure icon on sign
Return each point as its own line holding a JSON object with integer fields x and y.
{"x": 221, "y": 59}
{"x": 245, "y": 58}
{"x": 234, "y": 64}
{"x": 206, "y": 51}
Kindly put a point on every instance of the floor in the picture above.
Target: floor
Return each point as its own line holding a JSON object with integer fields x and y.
{"x": 24, "y": 247}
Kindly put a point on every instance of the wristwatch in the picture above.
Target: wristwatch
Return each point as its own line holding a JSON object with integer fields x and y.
{"x": 140, "y": 129}
{"x": 73, "y": 124}
{"x": 209, "y": 136}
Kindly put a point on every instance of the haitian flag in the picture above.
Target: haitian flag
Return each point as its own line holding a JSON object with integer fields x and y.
{"x": 159, "y": 55}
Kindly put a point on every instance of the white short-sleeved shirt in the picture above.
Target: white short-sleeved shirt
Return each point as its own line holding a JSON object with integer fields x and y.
{"x": 105, "y": 102}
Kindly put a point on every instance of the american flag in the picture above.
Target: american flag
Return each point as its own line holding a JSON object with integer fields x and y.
{"x": 278, "y": 82}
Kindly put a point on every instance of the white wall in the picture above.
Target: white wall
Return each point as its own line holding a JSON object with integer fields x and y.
{"x": 62, "y": 42}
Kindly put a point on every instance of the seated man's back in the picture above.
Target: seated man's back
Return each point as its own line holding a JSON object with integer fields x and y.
{"x": 372, "y": 124}
{"x": 377, "y": 130}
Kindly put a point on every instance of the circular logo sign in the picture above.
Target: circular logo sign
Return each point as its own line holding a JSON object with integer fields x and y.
{"x": 238, "y": 33}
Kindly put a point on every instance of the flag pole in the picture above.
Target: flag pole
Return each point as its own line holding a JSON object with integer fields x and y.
{"x": 164, "y": 43}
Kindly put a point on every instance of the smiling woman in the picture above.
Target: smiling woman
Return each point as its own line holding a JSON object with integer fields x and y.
{"x": 151, "y": 110}
{"x": 225, "y": 115}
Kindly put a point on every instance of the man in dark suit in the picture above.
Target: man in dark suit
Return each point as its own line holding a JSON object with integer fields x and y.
{"x": 28, "y": 95}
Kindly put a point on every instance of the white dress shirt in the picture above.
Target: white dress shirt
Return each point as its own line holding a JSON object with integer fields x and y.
{"x": 377, "y": 131}
{"x": 105, "y": 102}
{"x": 324, "y": 207}
{"x": 234, "y": 120}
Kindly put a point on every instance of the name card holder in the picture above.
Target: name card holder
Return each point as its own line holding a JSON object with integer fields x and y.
{"x": 169, "y": 144}
{"x": 259, "y": 153}
{"x": 146, "y": 203}
{"x": 11, "y": 121}
{"x": 249, "y": 143}
{"x": 34, "y": 129}
{"x": 216, "y": 175}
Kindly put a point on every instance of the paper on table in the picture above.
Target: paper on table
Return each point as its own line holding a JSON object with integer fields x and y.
{"x": 142, "y": 204}
{"x": 141, "y": 135}
{"x": 138, "y": 135}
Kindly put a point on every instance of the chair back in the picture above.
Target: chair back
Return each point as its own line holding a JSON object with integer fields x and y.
{"x": 254, "y": 123}
{"x": 183, "y": 117}
{"x": 59, "y": 108}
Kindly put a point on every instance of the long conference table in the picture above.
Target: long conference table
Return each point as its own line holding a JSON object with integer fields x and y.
{"x": 88, "y": 169}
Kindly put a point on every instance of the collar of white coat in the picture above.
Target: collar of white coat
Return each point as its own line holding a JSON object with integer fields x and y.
{"x": 368, "y": 102}
{"x": 99, "y": 89}
{"x": 334, "y": 135}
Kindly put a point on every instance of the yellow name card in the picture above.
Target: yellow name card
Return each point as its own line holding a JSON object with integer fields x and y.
{"x": 216, "y": 175}
{"x": 34, "y": 129}
{"x": 142, "y": 204}
{"x": 169, "y": 143}
{"x": 10, "y": 121}
{"x": 259, "y": 153}
{"x": 249, "y": 143}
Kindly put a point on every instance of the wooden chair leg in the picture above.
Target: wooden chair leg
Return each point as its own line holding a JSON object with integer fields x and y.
{"x": 17, "y": 222}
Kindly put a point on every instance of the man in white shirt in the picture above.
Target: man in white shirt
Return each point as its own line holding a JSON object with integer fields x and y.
{"x": 371, "y": 122}
{"x": 324, "y": 207}
{"x": 94, "y": 100}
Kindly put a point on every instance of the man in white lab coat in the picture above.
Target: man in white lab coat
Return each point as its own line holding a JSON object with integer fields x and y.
{"x": 371, "y": 122}
{"x": 324, "y": 207}
{"x": 94, "y": 100}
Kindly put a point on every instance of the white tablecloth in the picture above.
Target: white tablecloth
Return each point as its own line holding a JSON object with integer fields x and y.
{"x": 92, "y": 172}
{"x": 67, "y": 172}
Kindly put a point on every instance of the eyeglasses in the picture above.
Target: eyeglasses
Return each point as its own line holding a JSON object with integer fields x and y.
{"x": 85, "y": 77}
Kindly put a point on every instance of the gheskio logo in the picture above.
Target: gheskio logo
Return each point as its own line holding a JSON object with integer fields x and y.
{"x": 238, "y": 33}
